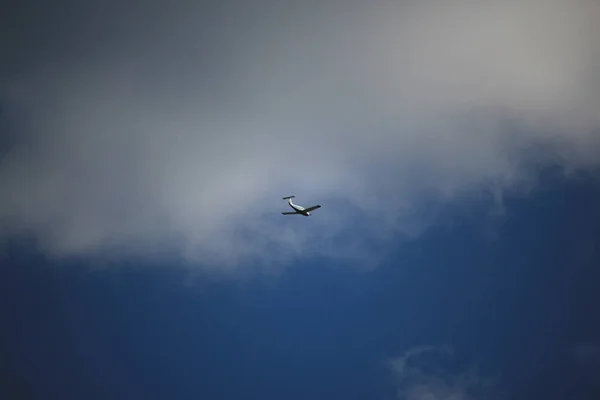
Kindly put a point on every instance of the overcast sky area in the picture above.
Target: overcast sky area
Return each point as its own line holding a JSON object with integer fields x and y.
{"x": 454, "y": 147}
{"x": 153, "y": 126}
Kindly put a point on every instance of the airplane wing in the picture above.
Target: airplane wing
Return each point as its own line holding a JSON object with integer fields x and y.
{"x": 290, "y": 213}
{"x": 311, "y": 208}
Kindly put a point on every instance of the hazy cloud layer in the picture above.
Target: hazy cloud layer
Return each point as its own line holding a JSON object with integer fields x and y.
{"x": 427, "y": 373}
{"x": 178, "y": 126}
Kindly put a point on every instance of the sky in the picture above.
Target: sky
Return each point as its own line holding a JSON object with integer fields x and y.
{"x": 454, "y": 147}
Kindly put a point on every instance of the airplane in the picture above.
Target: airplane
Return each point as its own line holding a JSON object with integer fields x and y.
{"x": 299, "y": 210}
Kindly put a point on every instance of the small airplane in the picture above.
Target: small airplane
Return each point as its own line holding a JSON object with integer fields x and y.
{"x": 299, "y": 210}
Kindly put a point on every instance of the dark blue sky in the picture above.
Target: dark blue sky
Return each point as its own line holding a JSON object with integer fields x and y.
{"x": 145, "y": 148}
{"x": 516, "y": 304}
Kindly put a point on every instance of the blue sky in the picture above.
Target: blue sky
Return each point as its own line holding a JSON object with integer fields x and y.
{"x": 146, "y": 148}
{"x": 517, "y": 312}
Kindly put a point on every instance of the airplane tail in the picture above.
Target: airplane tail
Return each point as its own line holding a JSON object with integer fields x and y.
{"x": 289, "y": 197}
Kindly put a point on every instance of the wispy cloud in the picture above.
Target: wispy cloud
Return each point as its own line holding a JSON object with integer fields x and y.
{"x": 179, "y": 126}
{"x": 427, "y": 373}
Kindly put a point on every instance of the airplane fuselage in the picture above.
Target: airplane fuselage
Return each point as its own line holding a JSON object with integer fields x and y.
{"x": 298, "y": 209}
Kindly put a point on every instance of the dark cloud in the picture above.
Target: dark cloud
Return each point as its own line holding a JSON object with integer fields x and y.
{"x": 179, "y": 126}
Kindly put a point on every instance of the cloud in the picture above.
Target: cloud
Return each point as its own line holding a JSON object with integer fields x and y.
{"x": 177, "y": 127}
{"x": 426, "y": 373}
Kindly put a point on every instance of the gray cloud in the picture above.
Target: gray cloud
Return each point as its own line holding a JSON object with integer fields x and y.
{"x": 179, "y": 126}
{"x": 427, "y": 373}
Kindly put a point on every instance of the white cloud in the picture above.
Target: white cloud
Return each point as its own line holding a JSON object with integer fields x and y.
{"x": 424, "y": 373}
{"x": 180, "y": 126}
